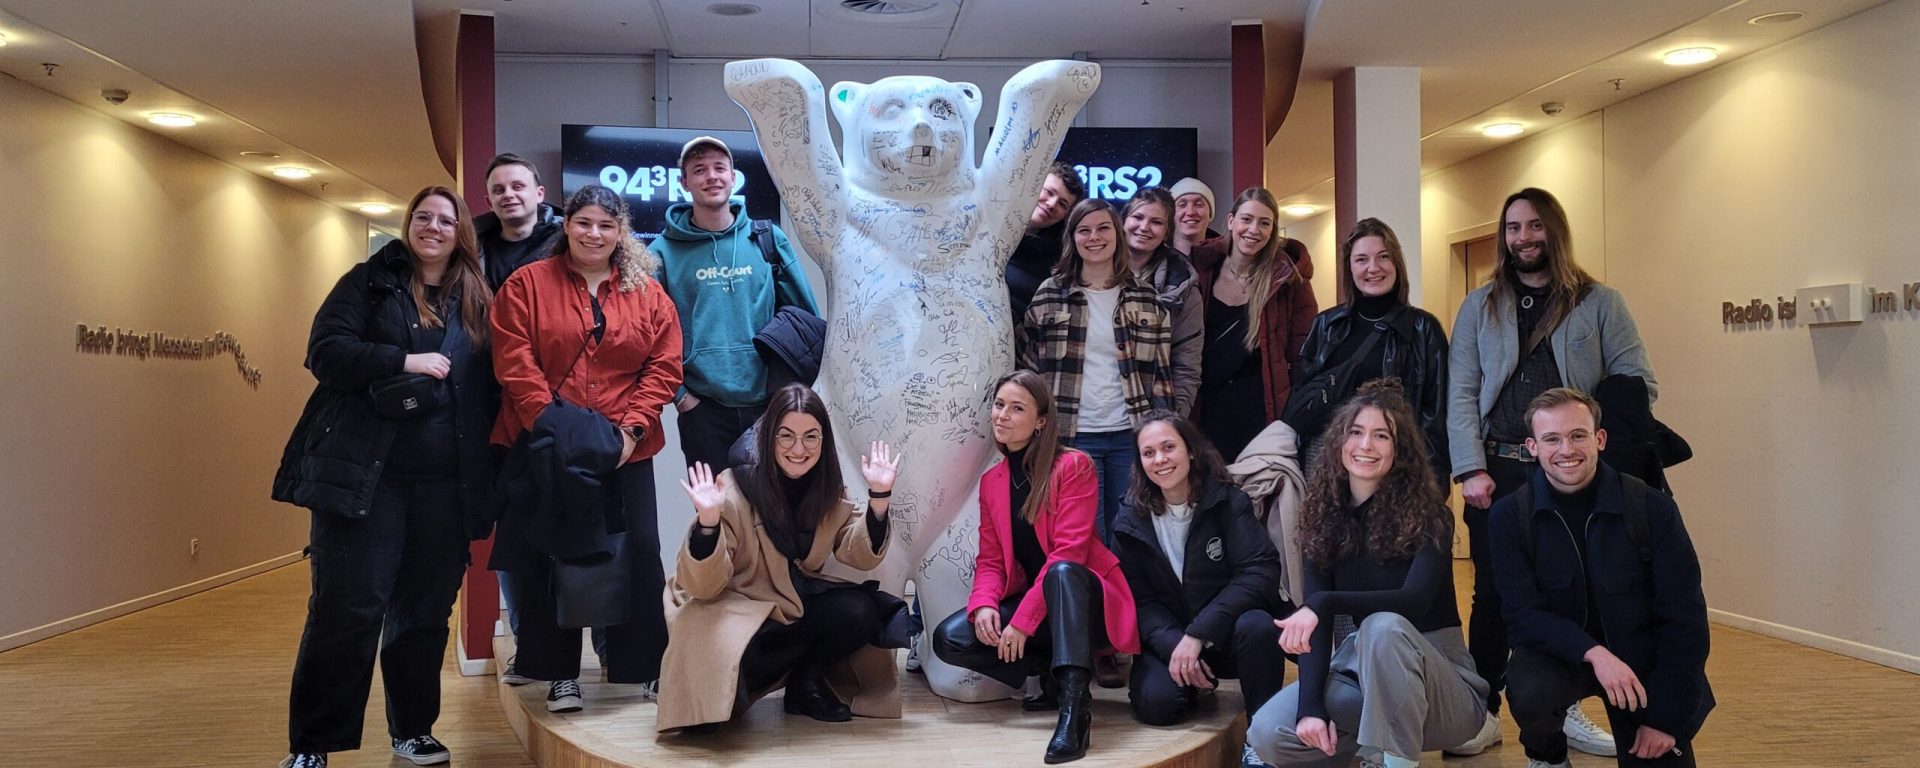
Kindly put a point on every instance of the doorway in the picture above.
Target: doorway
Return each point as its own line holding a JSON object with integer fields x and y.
{"x": 1474, "y": 257}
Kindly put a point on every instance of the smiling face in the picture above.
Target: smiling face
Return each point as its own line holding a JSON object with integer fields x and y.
{"x": 796, "y": 444}
{"x": 1372, "y": 266}
{"x": 708, "y": 177}
{"x": 431, "y": 229}
{"x": 513, "y": 193}
{"x": 1526, "y": 236}
{"x": 1367, "y": 453}
{"x": 1015, "y": 416}
{"x": 1567, "y": 444}
{"x": 1191, "y": 215}
{"x": 1094, "y": 238}
{"x": 1147, "y": 227}
{"x": 1251, "y": 227}
{"x": 591, "y": 235}
{"x": 1054, "y": 204}
{"x": 1165, "y": 458}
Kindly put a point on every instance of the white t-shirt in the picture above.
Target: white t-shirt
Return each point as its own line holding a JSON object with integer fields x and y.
{"x": 1171, "y": 529}
{"x": 1103, "y": 403}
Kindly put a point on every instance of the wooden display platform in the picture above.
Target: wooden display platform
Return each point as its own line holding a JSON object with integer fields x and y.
{"x": 616, "y": 729}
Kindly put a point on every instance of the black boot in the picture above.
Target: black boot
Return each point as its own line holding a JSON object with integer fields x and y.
{"x": 1076, "y": 716}
{"x": 1049, "y": 697}
{"x": 808, "y": 695}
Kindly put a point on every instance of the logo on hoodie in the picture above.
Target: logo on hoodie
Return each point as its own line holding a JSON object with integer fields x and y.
{"x": 722, "y": 273}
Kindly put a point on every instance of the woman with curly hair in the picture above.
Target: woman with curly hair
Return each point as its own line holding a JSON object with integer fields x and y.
{"x": 587, "y": 327}
{"x": 1374, "y": 533}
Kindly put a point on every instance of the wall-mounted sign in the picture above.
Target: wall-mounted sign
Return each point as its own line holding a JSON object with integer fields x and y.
{"x": 1841, "y": 304}
{"x": 100, "y": 341}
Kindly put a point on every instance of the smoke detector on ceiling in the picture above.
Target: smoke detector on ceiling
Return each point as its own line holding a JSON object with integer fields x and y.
{"x": 894, "y": 12}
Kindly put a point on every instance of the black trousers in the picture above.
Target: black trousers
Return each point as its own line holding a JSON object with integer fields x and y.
{"x": 1254, "y": 657}
{"x": 832, "y": 625}
{"x": 1486, "y": 628}
{"x": 1543, "y": 687}
{"x": 1075, "y": 627}
{"x": 382, "y": 583}
{"x": 710, "y": 429}
{"x": 548, "y": 651}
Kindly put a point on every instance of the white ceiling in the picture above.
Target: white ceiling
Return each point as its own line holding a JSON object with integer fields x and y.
{"x": 340, "y": 80}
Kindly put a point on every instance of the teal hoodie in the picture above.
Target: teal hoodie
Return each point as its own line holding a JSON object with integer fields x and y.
{"x": 725, "y": 293}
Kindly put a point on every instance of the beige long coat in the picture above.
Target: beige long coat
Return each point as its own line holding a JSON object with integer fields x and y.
{"x": 714, "y": 607}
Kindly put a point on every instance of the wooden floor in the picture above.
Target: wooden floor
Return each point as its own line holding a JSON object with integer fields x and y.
{"x": 203, "y": 682}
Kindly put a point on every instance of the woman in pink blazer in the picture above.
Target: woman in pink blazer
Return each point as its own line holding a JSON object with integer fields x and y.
{"x": 1041, "y": 564}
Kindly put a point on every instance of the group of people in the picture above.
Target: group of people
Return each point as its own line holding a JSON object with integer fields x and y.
{"x": 509, "y": 375}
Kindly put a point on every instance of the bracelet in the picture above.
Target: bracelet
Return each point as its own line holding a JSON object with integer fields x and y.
{"x": 882, "y": 495}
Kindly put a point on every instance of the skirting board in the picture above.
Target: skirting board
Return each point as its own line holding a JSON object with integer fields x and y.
{"x": 1881, "y": 656}
{"x": 90, "y": 618}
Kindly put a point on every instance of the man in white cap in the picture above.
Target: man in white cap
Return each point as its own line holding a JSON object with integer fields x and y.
{"x": 725, "y": 290}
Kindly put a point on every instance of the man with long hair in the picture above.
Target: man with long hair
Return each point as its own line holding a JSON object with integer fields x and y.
{"x": 1540, "y": 322}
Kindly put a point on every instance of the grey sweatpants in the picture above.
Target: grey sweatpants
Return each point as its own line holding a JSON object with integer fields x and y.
{"x": 1390, "y": 688}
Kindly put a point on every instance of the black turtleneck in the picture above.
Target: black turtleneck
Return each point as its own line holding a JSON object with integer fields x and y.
{"x": 1576, "y": 509}
{"x": 1026, "y": 541}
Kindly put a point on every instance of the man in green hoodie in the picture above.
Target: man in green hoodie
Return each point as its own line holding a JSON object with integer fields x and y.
{"x": 725, "y": 291}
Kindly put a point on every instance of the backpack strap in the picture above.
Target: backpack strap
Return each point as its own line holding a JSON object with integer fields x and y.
{"x": 763, "y": 237}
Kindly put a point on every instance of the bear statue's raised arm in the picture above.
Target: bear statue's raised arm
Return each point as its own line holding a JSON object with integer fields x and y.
{"x": 785, "y": 101}
{"x": 1036, "y": 108}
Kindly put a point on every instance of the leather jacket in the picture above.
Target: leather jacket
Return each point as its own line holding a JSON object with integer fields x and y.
{"x": 1416, "y": 352}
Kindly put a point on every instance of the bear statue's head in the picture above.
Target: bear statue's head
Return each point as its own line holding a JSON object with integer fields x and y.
{"x": 906, "y": 133}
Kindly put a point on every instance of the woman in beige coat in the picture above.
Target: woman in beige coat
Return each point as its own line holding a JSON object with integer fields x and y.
{"x": 748, "y": 605}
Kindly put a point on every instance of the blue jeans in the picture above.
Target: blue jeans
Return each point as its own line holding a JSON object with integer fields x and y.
{"x": 1113, "y": 459}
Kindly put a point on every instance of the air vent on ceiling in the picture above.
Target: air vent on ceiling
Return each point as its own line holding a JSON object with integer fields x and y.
{"x": 892, "y": 12}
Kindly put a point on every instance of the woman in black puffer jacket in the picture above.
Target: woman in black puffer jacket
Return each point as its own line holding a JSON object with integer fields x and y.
{"x": 391, "y": 457}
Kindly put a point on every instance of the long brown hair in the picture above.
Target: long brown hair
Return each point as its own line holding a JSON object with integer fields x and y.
{"x": 1266, "y": 263}
{"x": 1407, "y": 512}
{"x": 1206, "y": 467}
{"x": 1371, "y": 227}
{"x": 1567, "y": 283}
{"x": 1044, "y": 449}
{"x": 760, "y": 481}
{"x": 464, "y": 274}
{"x": 1068, "y": 268}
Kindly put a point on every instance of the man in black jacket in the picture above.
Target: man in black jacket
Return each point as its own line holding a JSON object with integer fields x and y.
{"x": 1039, "y": 250}
{"x": 1600, "y": 587}
{"x": 521, "y": 227}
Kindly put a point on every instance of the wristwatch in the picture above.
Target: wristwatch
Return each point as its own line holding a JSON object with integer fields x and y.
{"x": 635, "y": 431}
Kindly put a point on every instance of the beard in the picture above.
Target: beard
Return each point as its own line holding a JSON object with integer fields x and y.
{"x": 1525, "y": 267}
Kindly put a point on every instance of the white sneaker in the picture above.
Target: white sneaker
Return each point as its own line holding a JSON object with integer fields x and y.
{"x": 913, "y": 654}
{"x": 650, "y": 690}
{"x": 1585, "y": 735}
{"x": 564, "y": 696}
{"x": 1488, "y": 736}
{"x": 1532, "y": 763}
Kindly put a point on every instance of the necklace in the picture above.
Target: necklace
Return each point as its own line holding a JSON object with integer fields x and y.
{"x": 1364, "y": 316}
{"x": 1526, "y": 302}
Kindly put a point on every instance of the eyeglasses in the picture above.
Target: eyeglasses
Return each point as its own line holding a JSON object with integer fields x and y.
{"x": 787, "y": 439}
{"x": 429, "y": 219}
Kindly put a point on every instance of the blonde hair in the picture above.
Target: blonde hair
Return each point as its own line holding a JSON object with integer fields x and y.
{"x": 1265, "y": 264}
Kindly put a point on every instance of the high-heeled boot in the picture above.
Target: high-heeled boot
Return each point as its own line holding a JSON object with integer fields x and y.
{"x": 1070, "y": 735}
{"x": 1048, "y": 699}
{"x": 808, "y": 694}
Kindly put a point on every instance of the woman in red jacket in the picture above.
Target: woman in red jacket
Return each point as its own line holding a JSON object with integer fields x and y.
{"x": 1046, "y": 593}
{"x": 590, "y": 325}
{"x": 1259, "y": 309}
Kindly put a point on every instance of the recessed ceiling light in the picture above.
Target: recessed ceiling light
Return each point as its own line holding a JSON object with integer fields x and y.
{"x": 733, "y": 9}
{"x": 376, "y": 209}
{"x": 3, "y": 39}
{"x": 256, "y": 154}
{"x": 1502, "y": 130}
{"x": 292, "y": 172}
{"x": 1299, "y": 210}
{"x": 1783, "y": 17}
{"x": 172, "y": 120}
{"x": 1687, "y": 57}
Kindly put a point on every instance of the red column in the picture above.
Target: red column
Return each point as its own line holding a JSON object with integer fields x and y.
{"x": 1249, "y": 87}
{"x": 473, "y": 77}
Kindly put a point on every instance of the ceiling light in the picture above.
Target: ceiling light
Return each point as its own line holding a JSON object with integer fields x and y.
{"x": 172, "y": 120}
{"x": 258, "y": 154}
{"x": 1299, "y": 210}
{"x": 1783, "y": 17}
{"x": 1502, "y": 130}
{"x": 376, "y": 209}
{"x": 733, "y": 9}
{"x": 3, "y": 39}
{"x": 293, "y": 172}
{"x": 1687, "y": 57}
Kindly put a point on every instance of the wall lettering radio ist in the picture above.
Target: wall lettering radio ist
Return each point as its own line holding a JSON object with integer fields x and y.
{"x": 100, "y": 341}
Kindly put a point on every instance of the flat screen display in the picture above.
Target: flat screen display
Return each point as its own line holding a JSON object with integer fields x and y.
{"x": 1116, "y": 162}
{"x": 642, "y": 164}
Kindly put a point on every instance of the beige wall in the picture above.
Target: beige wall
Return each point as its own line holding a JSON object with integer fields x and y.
{"x": 1324, "y": 246}
{"x": 114, "y": 462}
{"x": 1791, "y": 167}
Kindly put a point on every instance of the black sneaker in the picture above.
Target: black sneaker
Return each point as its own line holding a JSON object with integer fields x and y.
{"x": 564, "y": 696}
{"x": 305, "y": 760}
{"x": 422, "y": 750}
{"x": 511, "y": 675}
